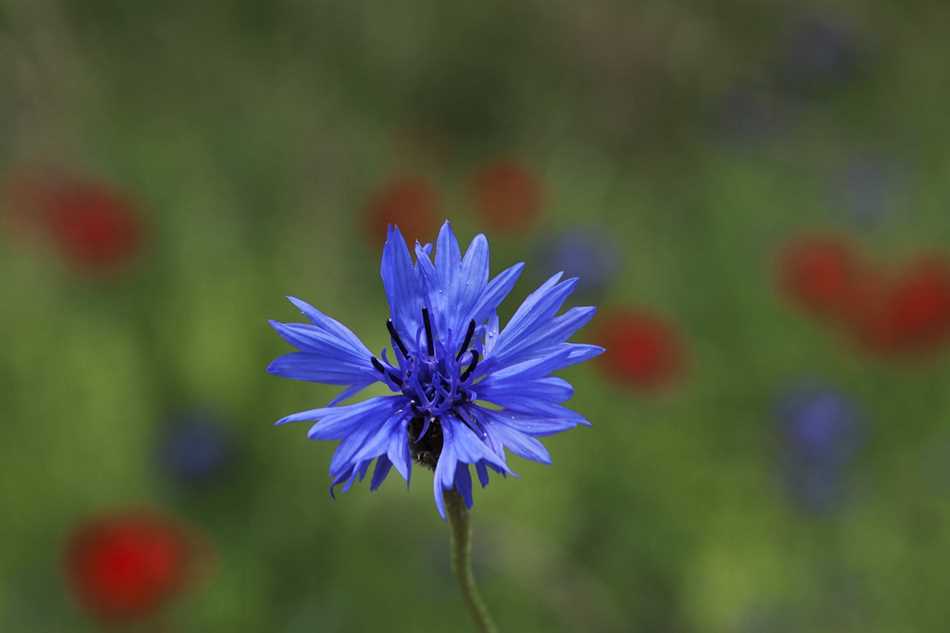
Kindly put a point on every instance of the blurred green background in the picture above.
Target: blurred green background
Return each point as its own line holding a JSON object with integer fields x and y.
{"x": 697, "y": 136}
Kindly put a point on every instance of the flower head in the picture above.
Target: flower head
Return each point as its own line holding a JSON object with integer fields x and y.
{"x": 127, "y": 566}
{"x": 194, "y": 448}
{"x": 821, "y": 53}
{"x": 645, "y": 350}
{"x": 910, "y": 313}
{"x": 868, "y": 189}
{"x": 96, "y": 228}
{"x": 823, "y": 275}
{"x": 592, "y": 256}
{"x": 820, "y": 429}
{"x": 463, "y": 389}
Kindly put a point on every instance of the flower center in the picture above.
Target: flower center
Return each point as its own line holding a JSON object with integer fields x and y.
{"x": 436, "y": 382}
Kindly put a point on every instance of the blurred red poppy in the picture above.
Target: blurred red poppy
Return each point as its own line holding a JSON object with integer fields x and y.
{"x": 909, "y": 314}
{"x": 93, "y": 226}
{"x": 822, "y": 275}
{"x": 127, "y": 566}
{"x": 643, "y": 350}
{"x": 410, "y": 203}
{"x": 508, "y": 197}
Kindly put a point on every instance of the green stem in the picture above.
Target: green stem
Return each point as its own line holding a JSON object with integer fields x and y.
{"x": 462, "y": 561}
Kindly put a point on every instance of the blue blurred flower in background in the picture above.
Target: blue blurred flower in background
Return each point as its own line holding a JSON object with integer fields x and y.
{"x": 449, "y": 356}
{"x": 821, "y": 53}
{"x": 820, "y": 433}
{"x": 590, "y": 256}
{"x": 868, "y": 189}
{"x": 194, "y": 448}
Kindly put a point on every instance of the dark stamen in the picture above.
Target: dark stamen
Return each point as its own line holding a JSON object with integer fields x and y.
{"x": 427, "y": 448}
{"x": 381, "y": 369}
{"x": 395, "y": 337}
{"x": 429, "y": 343}
{"x": 468, "y": 339}
{"x": 471, "y": 367}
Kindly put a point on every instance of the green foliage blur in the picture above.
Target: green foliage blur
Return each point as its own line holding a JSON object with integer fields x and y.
{"x": 252, "y": 135}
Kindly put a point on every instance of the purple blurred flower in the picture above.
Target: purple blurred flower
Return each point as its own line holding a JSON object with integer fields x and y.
{"x": 820, "y": 433}
{"x": 819, "y": 54}
{"x": 590, "y": 256}
{"x": 194, "y": 448}
{"x": 868, "y": 189}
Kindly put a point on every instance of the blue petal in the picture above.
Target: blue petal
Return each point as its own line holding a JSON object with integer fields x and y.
{"x": 337, "y": 422}
{"x": 539, "y": 426}
{"x": 348, "y": 475}
{"x": 344, "y": 457}
{"x": 551, "y": 389}
{"x": 491, "y": 336}
{"x": 377, "y": 443}
{"x": 519, "y": 443}
{"x": 310, "y": 338}
{"x": 398, "y": 453}
{"x": 496, "y": 292}
{"x": 539, "y": 307}
{"x": 433, "y": 295}
{"x": 402, "y": 284}
{"x": 581, "y": 353}
{"x": 363, "y": 468}
{"x": 482, "y": 471}
{"x": 454, "y": 285}
{"x": 383, "y": 465}
{"x": 317, "y": 368}
{"x": 329, "y": 325}
{"x": 544, "y": 335}
{"x": 532, "y": 368}
{"x": 463, "y": 483}
{"x": 541, "y": 363}
{"x": 444, "y": 472}
{"x": 448, "y": 257}
{"x": 359, "y": 471}
{"x": 367, "y": 441}
{"x": 471, "y": 282}
{"x": 539, "y": 410}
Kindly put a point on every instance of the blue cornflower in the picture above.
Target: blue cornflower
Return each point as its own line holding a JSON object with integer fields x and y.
{"x": 869, "y": 188}
{"x": 821, "y": 434}
{"x": 194, "y": 448}
{"x": 464, "y": 390}
{"x": 821, "y": 53}
{"x": 589, "y": 255}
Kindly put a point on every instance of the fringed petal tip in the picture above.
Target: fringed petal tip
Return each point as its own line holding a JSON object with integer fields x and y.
{"x": 294, "y": 417}
{"x": 300, "y": 304}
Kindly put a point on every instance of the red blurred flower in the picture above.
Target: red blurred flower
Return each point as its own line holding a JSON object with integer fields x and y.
{"x": 889, "y": 315}
{"x": 127, "y": 566}
{"x": 911, "y": 313}
{"x": 95, "y": 228}
{"x": 643, "y": 351}
{"x": 822, "y": 275}
{"x": 410, "y": 203}
{"x": 508, "y": 197}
